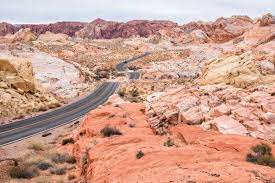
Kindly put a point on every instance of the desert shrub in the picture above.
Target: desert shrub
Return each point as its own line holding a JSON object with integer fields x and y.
{"x": 139, "y": 154}
{"x": 262, "y": 155}
{"x": 58, "y": 171}
{"x": 23, "y": 172}
{"x": 43, "y": 165}
{"x": 71, "y": 176}
{"x": 67, "y": 141}
{"x": 169, "y": 143}
{"x": 131, "y": 125}
{"x": 109, "y": 131}
{"x": 36, "y": 146}
{"x": 261, "y": 149}
{"x": 121, "y": 92}
{"x": 62, "y": 158}
{"x": 134, "y": 92}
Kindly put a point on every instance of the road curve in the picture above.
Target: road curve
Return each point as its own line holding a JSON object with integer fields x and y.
{"x": 25, "y": 128}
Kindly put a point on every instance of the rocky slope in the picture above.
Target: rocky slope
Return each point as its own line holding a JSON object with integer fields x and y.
{"x": 223, "y": 29}
{"x": 193, "y": 155}
{"x": 69, "y": 28}
{"x": 20, "y": 92}
{"x": 101, "y": 29}
{"x": 6, "y": 28}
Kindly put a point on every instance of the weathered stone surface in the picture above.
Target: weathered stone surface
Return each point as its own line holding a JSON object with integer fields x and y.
{"x": 196, "y": 156}
{"x": 23, "y": 35}
{"x": 223, "y": 29}
{"x": 266, "y": 20}
{"x": 101, "y": 29}
{"x": 20, "y": 94}
{"x": 225, "y": 108}
{"x": 6, "y": 28}
{"x": 69, "y": 28}
{"x": 240, "y": 71}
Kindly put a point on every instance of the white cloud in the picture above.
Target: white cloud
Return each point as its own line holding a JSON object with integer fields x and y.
{"x": 37, "y": 11}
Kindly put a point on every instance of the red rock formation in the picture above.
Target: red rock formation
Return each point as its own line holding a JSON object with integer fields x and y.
{"x": 69, "y": 28}
{"x": 6, "y": 28}
{"x": 101, "y": 29}
{"x": 223, "y": 29}
{"x": 266, "y": 20}
{"x": 196, "y": 155}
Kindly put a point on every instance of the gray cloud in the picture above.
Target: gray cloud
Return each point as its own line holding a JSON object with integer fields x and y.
{"x": 38, "y": 11}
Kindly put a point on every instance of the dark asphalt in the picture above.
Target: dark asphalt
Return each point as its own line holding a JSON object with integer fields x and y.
{"x": 22, "y": 129}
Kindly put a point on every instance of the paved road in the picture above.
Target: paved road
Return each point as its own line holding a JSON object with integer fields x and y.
{"x": 19, "y": 130}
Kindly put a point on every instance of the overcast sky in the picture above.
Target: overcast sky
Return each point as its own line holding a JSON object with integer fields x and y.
{"x": 181, "y": 11}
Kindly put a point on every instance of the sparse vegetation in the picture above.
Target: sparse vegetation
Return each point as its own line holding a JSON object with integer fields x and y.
{"x": 43, "y": 165}
{"x": 58, "y": 171}
{"x": 85, "y": 159}
{"x": 109, "y": 131}
{"x": 131, "y": 125}
{"x": 67, "y": 141}
{"x": 134, "y": 92}
{"x": 36, "y": 146}
{"x": 262, "y": 155}
{"x": 23, "y": 172}
{"x": 121, "y": 92}
{"x": 139, "y": 154}
{"x": 62, "y": 158}
{"x": 71, "y": 176}
{"x": 169, "y": 142}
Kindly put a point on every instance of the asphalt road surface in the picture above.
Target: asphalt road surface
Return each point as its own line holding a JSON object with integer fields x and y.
{"x": 25, "y": 128}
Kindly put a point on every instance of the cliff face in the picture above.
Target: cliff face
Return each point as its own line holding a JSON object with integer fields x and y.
{"x": 101, "y": 29}
{"x": 6, "y": 28}
{"x": 69, "y": 28}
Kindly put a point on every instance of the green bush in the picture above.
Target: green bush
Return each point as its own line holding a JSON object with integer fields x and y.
{"x": 23, "y": 172}
{"x": 67, "y": 141}
{"x": 262, "y": 155}
{"x": 139, "y": 154}
{"x": 110, "y": 131}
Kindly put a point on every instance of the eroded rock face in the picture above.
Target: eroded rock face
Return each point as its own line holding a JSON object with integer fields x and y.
{"x": 69, "y": 28}
{"x": 266, "y": 20}
{"x": 238, "y": 70}
{"x": 20, "y": 93}
{"x": 101, "y": 29}
{"x": 196, "y": 155}
{"x": 225, "y": 108}
{"x": 223, "y": 29}
{"x": 6, "y": 28}
{"x": 23, "y": 35}
{"x": 50, "y": 37}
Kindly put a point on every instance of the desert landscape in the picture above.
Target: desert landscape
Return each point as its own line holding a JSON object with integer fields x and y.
{"x": 195, "y": 102}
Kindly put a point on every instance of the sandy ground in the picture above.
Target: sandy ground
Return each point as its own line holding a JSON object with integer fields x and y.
{"x": 21, "y": 150}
